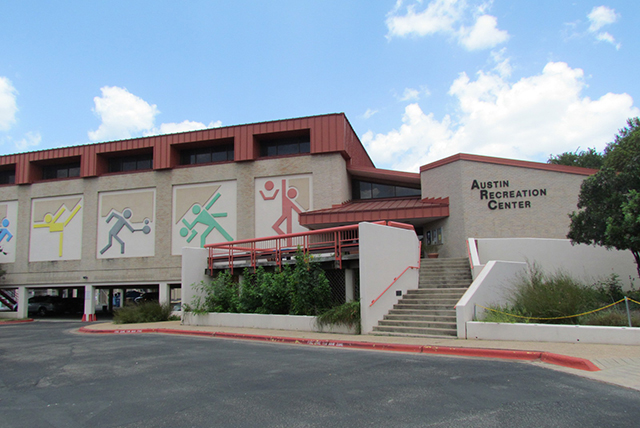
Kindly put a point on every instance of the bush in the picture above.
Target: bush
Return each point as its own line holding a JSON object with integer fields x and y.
{"x": 145, "y": 312}
{"x": 347, "y": 314}
{"x": 549, "y": 296}
{"x": 301, "y": 290}
{"x": 611, "y": 317}
{"x": 503, "y": 314}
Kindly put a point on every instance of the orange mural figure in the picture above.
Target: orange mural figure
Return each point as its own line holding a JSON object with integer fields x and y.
{"x": 52, "y": 223}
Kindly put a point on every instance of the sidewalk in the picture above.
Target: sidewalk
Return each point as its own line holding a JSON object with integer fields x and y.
{"x": 615, "y": 364}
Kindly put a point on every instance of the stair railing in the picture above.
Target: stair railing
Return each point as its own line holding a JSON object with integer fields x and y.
{"x": 399, "y": 276}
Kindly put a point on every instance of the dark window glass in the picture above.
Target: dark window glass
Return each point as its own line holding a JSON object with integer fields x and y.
{"x": 407, "y": 191}
{"x": 383, "y": 191}
{"x": 285, "y": 146}
{"x": 61, "y": 171}
{"x": 7, "y": 177}
{"x": 131, "y": 163}
{"x": 367, "y": 190}
{"x": 219, "y": 153}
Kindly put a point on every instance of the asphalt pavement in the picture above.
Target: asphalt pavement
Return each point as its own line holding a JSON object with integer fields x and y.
{"x": 615, "y": 364}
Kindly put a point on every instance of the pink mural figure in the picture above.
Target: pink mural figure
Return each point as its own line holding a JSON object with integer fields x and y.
{"x": 288, "y": 206}
{"x": 268, "y": 186}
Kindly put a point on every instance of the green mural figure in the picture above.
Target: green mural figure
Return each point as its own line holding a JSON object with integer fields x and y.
{"x": 206, "y": 218}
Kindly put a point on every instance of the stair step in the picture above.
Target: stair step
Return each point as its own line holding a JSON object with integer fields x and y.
{"x": 429, "y": 306}
{"x": 428, "y": 336}
{"x": 417, "y": 324}
{"x": 420, "y": 300}
{"x": 448, "y": 318}
{"x": 417, "y": 330}
{"x": 423, "y": 312}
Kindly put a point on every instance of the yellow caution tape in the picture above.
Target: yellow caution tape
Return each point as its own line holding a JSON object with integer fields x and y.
{"x": 554, "y": 318}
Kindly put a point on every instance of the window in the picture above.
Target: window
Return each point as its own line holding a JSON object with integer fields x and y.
{"x": 368, "y": 190}
{"x": 67, "y": 170}
{"x": 131, "y": 163}
{"x": 285, "y": 146}
{"x": 8, "y": 176}
{"x": 217, "y": 153}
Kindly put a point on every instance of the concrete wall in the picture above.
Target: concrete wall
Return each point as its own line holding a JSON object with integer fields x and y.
{"x": 586, "y": 262}
{"x": 554, "y": 333}
{"x": 492, "y": 286}
{"x": 385, "y": 252}
{"x": 330, "y": 186}
{"x": 475, "y": 207}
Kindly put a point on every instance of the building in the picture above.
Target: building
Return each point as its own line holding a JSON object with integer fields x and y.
{"x": 116, "y": 215}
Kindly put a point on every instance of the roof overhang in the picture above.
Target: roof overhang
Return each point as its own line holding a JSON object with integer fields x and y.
{"x": 412, "y": 210}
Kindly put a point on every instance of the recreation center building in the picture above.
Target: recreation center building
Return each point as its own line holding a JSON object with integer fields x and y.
{"x": 101, "y": 219}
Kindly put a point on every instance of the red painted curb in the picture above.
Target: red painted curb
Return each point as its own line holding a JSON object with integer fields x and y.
{"x": 546, "y": 357}
{"x": 15, "y": 321}
{"x": 567, "y": 361}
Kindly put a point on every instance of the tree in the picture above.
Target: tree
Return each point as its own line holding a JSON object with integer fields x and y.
{"x": 590, "y": 158}
{"x": 609, "y": 202}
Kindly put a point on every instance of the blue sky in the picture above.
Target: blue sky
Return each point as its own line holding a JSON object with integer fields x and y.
{"x": 418, "y": 80}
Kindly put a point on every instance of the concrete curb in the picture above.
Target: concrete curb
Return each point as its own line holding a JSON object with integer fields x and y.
{"x": 15, "y": 321}
{"x": 545, "y": 357}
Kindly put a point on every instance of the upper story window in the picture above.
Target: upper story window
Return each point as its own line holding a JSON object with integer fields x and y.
{"x": 286, "y": 145}
{"x": 369, "y": 190}
{"x": 131, "y": 163}
{"x": 8, "y": 176}
{"x": 66, "y": 170}
{"x": 209, "y": 154}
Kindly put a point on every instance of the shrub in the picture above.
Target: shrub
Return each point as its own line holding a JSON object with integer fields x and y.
{"x": 219, "y": 295}
{"x": 611, "y": 317}
{"x": 503, "y": 314}
{"x": 276, "y": 290}
{"x": 549, "y": 296}
{"x": 311, "y": 294}
{"x": 144, "y": 312}
{"x": 347, "y": 314}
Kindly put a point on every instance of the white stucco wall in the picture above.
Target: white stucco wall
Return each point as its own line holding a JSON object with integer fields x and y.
{"x": 194, "y": 263}
{"x": 586, "y": 262}
{"x": 385, "y": 252}
{"x": 492, "y": 286}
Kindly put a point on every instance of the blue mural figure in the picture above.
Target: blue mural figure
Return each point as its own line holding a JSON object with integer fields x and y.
{"x": 121, "y": 222}
{"x": 4, "y": 232}
{"x": 206, "y": 218}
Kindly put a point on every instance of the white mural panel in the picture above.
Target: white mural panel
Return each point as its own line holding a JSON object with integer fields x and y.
{"x": 279, "y": 201}
{"x": 8, "y": 229}
{"x": 204, "y": 213}
{"x": 56, "y": 228}
{"x": 126, "y": 224}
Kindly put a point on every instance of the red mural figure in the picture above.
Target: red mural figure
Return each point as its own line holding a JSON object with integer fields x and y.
{"x": 288, "y": 205}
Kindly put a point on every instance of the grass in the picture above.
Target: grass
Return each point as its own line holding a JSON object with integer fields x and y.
{"x": 347, "y": 314}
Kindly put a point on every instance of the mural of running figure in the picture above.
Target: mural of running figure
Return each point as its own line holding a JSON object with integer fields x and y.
{"x": 121, "y": 222}
{"x": 206, "y": 218}
{"x": 288, "y": 207}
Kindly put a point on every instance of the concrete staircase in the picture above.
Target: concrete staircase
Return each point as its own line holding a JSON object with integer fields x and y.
{"x": 429, "y": 310}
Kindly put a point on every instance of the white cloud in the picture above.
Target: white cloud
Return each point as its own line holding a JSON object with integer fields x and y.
{"x": 367, "y": 114}
{"x": 123, "y": 114}
{"x": 413, "y": 94}
{"x": 601, "y": 16}
{"x": 530, "y": 119}
{"x": 8, "y": 105}
{"x": 598, "y": 18}
{"x": 29, "y": 142}
{"x": 447, "y": 17}
{"x": 483, "y": 35}
{"x": 184, "y": 126}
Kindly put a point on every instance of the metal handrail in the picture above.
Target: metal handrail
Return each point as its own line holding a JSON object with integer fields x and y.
{"x": 399, "y": 276}
{"x": 334, "y": 240}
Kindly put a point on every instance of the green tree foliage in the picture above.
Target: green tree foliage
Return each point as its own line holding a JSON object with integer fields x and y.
{"x": 609, "y": 205}
{"x": 589, "y": 158}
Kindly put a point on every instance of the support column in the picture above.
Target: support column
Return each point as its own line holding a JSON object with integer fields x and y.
{"x": 89, "y": 304}
{"x": 23, "y": 302}
{"x": 110, "y": 306}
{"x": 164, "y": 295}
{"x": 349, "y": 286}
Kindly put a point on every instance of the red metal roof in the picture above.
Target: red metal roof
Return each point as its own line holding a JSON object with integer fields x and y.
{"x": 387, "y": 175}
{"x": 409, "y": 208}
{"x": 510, "y": 162}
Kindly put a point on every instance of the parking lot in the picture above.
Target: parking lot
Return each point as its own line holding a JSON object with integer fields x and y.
{"x": 54, "y": 376}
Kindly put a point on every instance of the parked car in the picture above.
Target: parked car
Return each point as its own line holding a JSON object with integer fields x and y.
{"x": 147, "y": 297}
{"x": 46, "y": 305}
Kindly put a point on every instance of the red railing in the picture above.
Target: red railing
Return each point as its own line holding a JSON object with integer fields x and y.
{"x": 335, "y": 241}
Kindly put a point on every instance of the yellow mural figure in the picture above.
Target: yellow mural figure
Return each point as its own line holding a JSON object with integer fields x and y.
{"x": 52, "y": 223}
